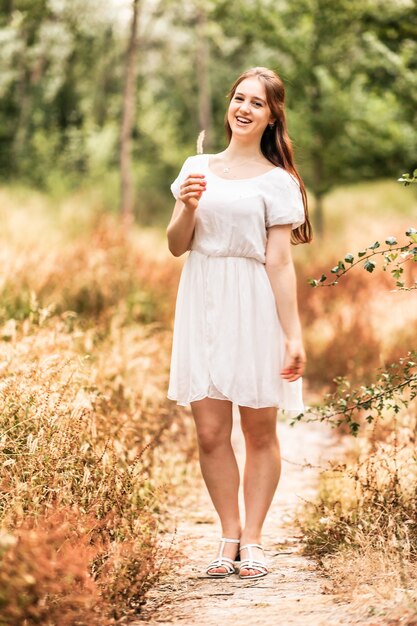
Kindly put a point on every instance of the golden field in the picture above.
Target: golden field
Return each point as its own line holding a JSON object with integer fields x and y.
{"x": 88, "y": 465}
{"x": 84, "y": 326}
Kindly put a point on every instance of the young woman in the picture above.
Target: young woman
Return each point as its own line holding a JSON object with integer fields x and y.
{"x": 237, "y": 334}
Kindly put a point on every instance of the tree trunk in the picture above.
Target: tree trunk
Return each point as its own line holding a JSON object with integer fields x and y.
{"x": 318, "y": 141}
{"x": 128, "y": 111}
{"x": 203, "y": 77}
{"x": 30, "y": 79}
{"x": 319, "y": 215}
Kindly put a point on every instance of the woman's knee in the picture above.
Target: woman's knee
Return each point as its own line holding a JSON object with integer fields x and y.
{"x": 213, "y": 421}
{"x": 210, "y": 439}
{"x": 259, "y": 429}
{"x": 261, "y": 439}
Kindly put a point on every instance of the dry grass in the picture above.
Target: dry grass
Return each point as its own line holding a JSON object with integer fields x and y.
{"x": 377, "y": 582}
{"x": 360, "y": 324}
{"x": 86, "y": 446}
{"x": 85, "y": 424}
{"x": 362, "y": 527}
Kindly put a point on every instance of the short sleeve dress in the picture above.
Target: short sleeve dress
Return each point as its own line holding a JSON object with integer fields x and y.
{"x": 228, "y": 342}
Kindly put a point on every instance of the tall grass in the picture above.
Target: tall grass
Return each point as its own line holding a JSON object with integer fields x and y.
{"x": 360, "y": 324}
{"x": 92, "y": 452}
{"x": 85, "y": 424}
{"x": 362, "y": 526}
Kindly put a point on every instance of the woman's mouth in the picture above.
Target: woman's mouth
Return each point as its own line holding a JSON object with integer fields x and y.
{"x": 242, "y": 120}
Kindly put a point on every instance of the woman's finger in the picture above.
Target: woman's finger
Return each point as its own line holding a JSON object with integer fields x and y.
{"x": 294, "y": 369}
{"x": 194, "y": 194}
{"x": 193, "y": 188}
{"x": 196, "y": 178}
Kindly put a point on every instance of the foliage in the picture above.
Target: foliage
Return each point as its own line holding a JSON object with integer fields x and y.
{"x": 378, "y": 505}
{"x": 408, "y": 179}
{"x": 397, "y": 255}
{"x": 345, "y": 124}
{"x": 85, "y": 423}
{"x": 396, "y": 384}
{"x": 62, "y": 73}
{"x": 395, "y": 387}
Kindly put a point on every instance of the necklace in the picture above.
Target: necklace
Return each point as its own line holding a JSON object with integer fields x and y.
{"x": 227, "y": 169}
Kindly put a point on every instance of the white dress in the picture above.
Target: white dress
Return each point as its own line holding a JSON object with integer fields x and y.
{"x": 228, "y": 342}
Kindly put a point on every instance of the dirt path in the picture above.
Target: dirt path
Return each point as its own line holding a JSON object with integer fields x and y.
{"x": 293, "y": 593}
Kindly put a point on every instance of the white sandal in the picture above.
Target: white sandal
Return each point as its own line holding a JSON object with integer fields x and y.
{"x": 223, "y": 561}
{"x": 251, "y": 563}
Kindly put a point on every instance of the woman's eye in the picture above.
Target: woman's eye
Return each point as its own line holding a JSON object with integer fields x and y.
{"x": 258, "y": 104}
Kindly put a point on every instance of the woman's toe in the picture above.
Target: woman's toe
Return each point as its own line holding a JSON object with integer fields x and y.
{"x": 249, "y": 572}
{"x": 246, "y": 572}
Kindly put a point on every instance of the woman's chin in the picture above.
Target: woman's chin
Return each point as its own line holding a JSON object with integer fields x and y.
{"x": 243, "y": 135}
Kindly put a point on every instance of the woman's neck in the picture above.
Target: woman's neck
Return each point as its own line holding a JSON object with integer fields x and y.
{"x": 239, "y": 149}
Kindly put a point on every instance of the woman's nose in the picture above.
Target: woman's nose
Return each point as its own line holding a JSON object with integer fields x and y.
{"x": 244, "y": 106}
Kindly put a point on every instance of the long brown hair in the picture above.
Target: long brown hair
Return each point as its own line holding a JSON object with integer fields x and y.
{"x": 276, "y": 145}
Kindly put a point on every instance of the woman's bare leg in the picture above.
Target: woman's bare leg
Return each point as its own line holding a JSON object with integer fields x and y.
{"x": 213, "y": 420}
{"x": 261, "y": 475}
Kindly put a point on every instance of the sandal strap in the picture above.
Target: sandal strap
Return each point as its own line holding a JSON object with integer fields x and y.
{"x": 220, "y": 559}
{"x": 224, "y": 561}
{"x": 223, "y": 542}
{"x": 250, "y": 545}
{"x": 253, "y": 564}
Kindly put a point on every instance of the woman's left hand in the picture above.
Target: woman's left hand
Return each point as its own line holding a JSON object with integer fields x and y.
{"x": 295, "y": 359}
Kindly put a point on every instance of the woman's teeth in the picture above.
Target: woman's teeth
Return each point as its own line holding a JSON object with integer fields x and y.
{"x": 243, "y": 120}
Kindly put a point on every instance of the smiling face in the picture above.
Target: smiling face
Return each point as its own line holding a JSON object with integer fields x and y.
{"x": 249, "y": 114}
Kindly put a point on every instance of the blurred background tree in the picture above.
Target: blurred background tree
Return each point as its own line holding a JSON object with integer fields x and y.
{"x": 349, "y": 68}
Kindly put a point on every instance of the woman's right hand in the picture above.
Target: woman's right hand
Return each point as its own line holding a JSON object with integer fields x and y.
{"x": 192, "y": 189}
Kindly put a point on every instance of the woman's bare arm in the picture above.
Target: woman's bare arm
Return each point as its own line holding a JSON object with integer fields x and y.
{"x": 181, "y": 226}
{"x": 281, "y": 273}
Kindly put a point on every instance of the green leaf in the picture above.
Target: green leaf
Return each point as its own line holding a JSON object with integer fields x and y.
{"x": 375, "y": 245}
{"x": 410, "y": 231}
{"x": 397, "y": 272}
{"x": 405, "y": 178}
{"x": 335, "y": 269}
{"x": 362, "y": 253}
{"x": 391, "y": 241}
{"x": 349, "y": 258}
{"x": 369, "y": 266}
{"x": 313, "y": 282}
{"x": 323, "y": 278}
{"x": 354, "y": 428}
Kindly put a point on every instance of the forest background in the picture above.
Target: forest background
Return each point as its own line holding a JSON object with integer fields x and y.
{"x": 100, "y": 103}
{"x": 348, "y": 67}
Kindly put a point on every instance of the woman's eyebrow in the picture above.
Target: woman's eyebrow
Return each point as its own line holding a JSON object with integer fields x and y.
{"x": 239, "y": 93}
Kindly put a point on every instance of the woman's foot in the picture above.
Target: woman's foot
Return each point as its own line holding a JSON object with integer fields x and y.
{"x": 231, "y": 551}
{"x": 256, "y": 553}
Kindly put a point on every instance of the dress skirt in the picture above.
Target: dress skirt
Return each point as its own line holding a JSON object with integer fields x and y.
{"x": 228, "y": 342}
